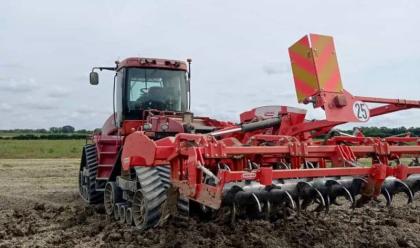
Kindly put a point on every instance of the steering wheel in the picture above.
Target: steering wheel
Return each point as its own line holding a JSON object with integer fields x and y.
{"x": 144, "y": 90}
{"x": 153, "y": 105}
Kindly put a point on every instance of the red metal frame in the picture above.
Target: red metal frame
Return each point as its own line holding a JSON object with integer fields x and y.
{"x": 185, "y": 158}
{"x": 291, "y": 142}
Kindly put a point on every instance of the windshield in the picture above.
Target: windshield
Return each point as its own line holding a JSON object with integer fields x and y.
{"x": 156, "y": 89}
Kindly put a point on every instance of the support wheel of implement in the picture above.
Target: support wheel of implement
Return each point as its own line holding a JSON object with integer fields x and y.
{"x": 112, "y": 195}
{"x": 87, "y": 176}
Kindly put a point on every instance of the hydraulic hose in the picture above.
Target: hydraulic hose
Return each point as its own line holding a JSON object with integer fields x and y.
{"x": 248, "y": 127}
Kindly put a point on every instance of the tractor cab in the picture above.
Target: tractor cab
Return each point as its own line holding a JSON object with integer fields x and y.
{"x": 147, "y": 84}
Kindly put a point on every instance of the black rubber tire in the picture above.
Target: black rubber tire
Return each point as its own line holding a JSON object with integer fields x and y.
{"x": 87, "y": 176}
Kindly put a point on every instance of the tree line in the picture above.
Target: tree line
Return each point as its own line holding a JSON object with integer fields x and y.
{"x": 385, "y": 131}
{"x": 53, "y": 133}
{"x": 63, "y": 129}
{"x": 69, "y": 132}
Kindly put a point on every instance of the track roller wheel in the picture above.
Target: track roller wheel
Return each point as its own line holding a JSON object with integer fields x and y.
{"x": 112, "y": 195}
{"x": 122, "y": 212}
{"x": 129, "y": 216}
{"x": 116, "y": 211}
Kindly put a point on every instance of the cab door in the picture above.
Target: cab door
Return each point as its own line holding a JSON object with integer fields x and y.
{"x": 118, "y": 97}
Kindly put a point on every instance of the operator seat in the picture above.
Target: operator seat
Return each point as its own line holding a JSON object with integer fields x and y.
{"x": 155, "y": 99}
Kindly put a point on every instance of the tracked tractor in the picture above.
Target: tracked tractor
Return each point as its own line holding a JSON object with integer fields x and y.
{"x": 272, "y": 164}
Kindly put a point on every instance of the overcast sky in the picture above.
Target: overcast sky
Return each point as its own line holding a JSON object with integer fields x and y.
{"x": 239, "y": 52}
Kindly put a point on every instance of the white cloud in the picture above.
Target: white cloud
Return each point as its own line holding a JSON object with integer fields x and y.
{"x": 58, "y": 92}
{"x": 276, "y": 68}
{"x": 9, "y": 66}
{"x": 5, "y": 106}
{"x": 38, "y": 105}
{"x": 14, "y": 85}
{"x": 240, "y": 58}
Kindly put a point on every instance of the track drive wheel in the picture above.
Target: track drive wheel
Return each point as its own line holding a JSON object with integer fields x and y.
{"x": 112, "y": 195}
{"x": 148, "y": 199}
{"x": 145, "y": 210}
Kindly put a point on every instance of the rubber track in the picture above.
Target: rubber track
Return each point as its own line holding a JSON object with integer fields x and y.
{"x": 183, "y": 206}
{"x": 165, "y": 175}
{"x": 95, "y": 196}
{"x": 183, "y": 202}
{"x": 154, "y": 193}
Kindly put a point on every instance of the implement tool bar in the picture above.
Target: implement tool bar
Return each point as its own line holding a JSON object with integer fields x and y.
{"x": 274, "y": 150}
{"x": 231, "y": 176}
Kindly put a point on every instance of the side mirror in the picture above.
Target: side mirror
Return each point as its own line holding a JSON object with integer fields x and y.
{"x": 93, "y": 78}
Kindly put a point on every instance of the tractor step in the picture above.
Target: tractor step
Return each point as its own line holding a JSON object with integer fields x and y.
{"x": 108, "y": 153}
{"x": 106, "y": 165}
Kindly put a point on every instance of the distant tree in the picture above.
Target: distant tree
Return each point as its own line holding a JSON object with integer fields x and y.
{"x": 67, "y": 129}
{"x": 55, "y": 129}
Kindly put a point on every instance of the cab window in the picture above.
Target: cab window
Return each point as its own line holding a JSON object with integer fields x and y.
{"x": 158, "y": 89}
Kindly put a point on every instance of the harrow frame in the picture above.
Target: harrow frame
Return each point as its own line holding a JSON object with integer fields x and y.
{"x": 273, "y": 135}
{"x": 187, "y": 161}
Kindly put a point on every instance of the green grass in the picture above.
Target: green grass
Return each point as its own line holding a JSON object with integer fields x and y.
{"x": 41, "y": 148}
{"x": 14, "y": 134}
{"x": 365, "y": 162}
{"x": 7, "y": 134}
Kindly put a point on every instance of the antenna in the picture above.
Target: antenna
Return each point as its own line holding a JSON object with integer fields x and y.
{"x": 189, "y": 60}
{"x": 189, "y": 68}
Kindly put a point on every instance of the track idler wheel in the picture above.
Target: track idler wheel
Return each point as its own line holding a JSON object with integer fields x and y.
{"x": 112, "y": 196}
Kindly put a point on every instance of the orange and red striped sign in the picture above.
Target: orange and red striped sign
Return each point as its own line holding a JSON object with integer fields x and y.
{"x": 315, "y": 66}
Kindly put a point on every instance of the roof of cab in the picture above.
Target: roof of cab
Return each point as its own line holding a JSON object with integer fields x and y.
{"x": 152, "y": 63}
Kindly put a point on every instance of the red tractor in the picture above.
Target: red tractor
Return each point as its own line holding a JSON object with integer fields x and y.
{"x": 274, "y": 162}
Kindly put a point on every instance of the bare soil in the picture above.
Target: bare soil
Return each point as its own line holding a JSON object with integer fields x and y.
{"x": 40, "y": 207}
